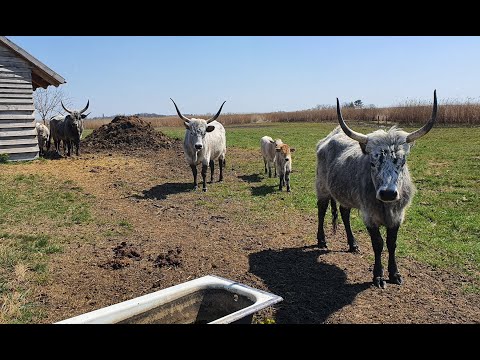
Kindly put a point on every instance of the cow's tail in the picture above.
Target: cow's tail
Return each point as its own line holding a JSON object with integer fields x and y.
{"x": 333, "y": 208}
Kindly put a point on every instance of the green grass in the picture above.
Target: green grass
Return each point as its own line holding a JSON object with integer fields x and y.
{"x": 442, "y": 226}
{"x": 29, "y": 198}
{"x": 31, "y": 208}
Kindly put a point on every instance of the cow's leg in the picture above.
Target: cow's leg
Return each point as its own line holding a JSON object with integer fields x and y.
{"x": 68, "y": 144}
{"x": 322, "y": 205}
{"x": 393, "y": 274}
{"x": 282, "y": 181}
{"x": 352, "y": 242}
{"x": 194, "y": 172}
{"x": 77, "y": 147}
{"x": 56, "y": 143}
{"x": 204, "y": 176}
{"x": 269, "y": 169}
{"x": 212, "y": 167}
{"x": 377, "y": 244}
{"x": 265, "y": 165}
{"x": 221, "y": 165}
{"x": 287, "y": 180}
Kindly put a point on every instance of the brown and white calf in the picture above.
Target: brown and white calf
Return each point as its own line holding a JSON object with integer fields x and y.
{"x": 268, "y": 146}
{"x": 283, "y": 164}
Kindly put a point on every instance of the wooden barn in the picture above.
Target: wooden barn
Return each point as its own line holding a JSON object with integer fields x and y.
{"x": 20, "y": 75}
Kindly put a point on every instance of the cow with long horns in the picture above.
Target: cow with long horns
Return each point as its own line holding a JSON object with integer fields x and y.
{"x": 369, "y": 173}
{"x": 204, "y": 142}
{"x": 74, "y": 127}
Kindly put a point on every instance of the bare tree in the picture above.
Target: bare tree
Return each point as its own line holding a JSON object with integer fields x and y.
{"x": 47, "y": 102}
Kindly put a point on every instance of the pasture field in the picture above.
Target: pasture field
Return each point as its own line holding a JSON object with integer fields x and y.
{"x": 442, "y": 226}
{"x": 70, "y": 229}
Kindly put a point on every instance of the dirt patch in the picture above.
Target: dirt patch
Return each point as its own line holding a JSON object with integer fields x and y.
{"x": 126, "y": 133}
{"x": 115, "y": 264}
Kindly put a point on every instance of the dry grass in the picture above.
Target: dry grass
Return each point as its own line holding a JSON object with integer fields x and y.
{"x": 12, "y": 302}
{"x": 451, "y": 112}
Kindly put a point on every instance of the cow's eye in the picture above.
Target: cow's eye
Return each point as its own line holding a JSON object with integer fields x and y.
{"x": 372, "y": 164}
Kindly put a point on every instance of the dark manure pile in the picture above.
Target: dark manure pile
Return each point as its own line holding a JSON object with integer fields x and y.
{"x": 126, "y": 133}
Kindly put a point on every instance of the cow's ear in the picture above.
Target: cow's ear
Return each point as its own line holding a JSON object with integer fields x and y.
{"x": 272, "y": 142}
{"x": 210, "y": 128}
{"x": 83, "y": 116}
{"x": 292, "y": 149}
{"x": 186, "y": 125}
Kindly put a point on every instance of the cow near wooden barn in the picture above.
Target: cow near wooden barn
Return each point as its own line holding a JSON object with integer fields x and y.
{"x": 67, "y": 130}
{"x": 204, "y": 142}
{"x": 267, "y": 147}
{"x": 74, "y": 128}
{"x": 283, "y": 164}
{"x": 368, "y": 172}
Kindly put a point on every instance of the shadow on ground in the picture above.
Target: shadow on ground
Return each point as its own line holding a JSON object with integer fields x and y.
{"x": 263, "y": 190}
{"x": 251, "y": 178}
{"x": 160, "y": 192}
{"x": 311, "y": 290}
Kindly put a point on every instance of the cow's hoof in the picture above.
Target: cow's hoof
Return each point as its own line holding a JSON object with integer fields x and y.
{"x": 204, "y": 189}
{"x": 220, "y": 180}
{"x": 353, "y": 248}
{"x": 395, "y": 278}
{"x": 379, "y": 282}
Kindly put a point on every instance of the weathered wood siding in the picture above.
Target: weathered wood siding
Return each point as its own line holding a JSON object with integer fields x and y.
{"x": 18, "y": 136}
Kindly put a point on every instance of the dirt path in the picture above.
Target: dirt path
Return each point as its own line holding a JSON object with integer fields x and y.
{"x": 175, "y": 236}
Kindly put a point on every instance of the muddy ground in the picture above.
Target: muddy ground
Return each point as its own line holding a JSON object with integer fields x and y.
{"x": 173, "y": 239}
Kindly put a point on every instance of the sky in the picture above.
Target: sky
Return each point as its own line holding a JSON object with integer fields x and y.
{"x": 256, "y": 74}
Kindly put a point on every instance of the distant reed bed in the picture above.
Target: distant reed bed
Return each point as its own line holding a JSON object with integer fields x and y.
{"x": 451, "y": 112}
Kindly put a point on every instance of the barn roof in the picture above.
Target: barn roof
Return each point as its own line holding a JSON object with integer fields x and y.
{"x": 42, "y": 75}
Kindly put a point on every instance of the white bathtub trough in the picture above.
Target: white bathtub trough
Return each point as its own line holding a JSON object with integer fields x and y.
{"x": 206, "y": 300}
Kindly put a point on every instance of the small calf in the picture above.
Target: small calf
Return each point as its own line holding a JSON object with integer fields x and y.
{"x": 42, "y": 136}
{"x": 267, "y": 146}
{"x": 283, "y": 162}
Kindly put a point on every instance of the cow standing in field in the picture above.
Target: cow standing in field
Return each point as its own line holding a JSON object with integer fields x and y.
{"x": 369, "y": 173}
{"x": 204, "y": 143}
{"x": 42, "y": 136}
{"x": 283, "y": 164}
{"x": 74, "y": 128}
{"x": 267, "y": 147}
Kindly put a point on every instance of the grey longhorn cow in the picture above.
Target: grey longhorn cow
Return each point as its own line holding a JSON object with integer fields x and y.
{"x": 204, "y": 143}
{"x": 73, "y": 130}
{"x": 369, "y": 173}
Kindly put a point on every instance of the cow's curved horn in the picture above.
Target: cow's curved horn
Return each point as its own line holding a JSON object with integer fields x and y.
{"x": 85, "y": 108}
{"x": 69, "y": 111}
{"x": 179, "y": 113}
{"x": 428, "y": 126}
{"x": 217, "y": 114}
{"x": 361, "y": 138}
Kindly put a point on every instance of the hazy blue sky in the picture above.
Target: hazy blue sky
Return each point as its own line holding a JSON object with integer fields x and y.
{"x": 133, "y": 74}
